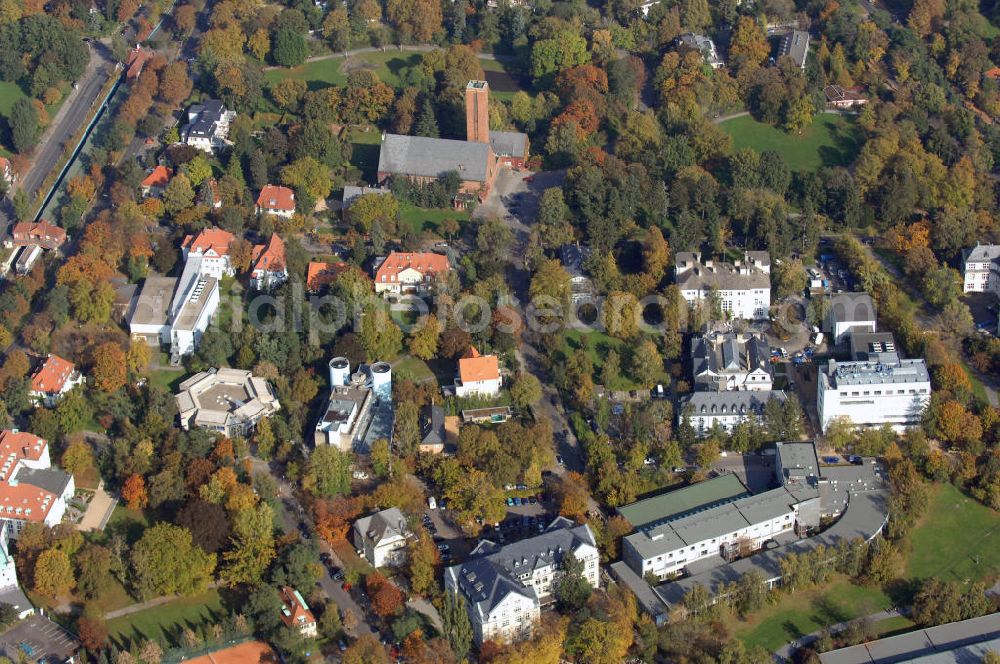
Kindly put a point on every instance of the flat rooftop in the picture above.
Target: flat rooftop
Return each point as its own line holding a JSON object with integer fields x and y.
{"x": 195, "y": 303}
{"x": 226, "y": 397}
{"x": 681, "y": 502}
{"x": 153, "y": 304}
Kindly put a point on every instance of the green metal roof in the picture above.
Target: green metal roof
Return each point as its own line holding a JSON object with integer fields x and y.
{"x": 688, "y": 500}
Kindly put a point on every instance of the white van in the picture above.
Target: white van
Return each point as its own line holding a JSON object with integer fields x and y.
{"x": 431, "y": 503}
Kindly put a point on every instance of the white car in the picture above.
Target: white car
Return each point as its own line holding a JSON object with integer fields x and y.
{"x": 431, "y": 503}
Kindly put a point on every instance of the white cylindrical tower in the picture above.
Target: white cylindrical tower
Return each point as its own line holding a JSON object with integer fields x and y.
{"x": 382, "y": 380}
{"x": 340, "y": 371}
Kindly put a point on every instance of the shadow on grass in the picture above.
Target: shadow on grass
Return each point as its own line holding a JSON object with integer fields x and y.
{"x": 847, "y": 142}
{"x": 792, "y": 630}
{"x": 365, "y": 158}
{"x": 827, "y": 612}
{"x": 398, "y": 64}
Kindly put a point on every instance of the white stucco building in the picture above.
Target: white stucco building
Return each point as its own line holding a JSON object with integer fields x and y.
{"x": 981, "y": 269}
{"x": 743, "y": 288}
{"x": 31, "y": 491}
{"x": 705, "y": 410}
{"x": 478, "y": 375}
{"x": 504, "y": 587}
{"x": 212, "y": 247}
{"x": 409, "y": 272}
{"x": 207, "y": 126}
{"x": 381, "y": 538}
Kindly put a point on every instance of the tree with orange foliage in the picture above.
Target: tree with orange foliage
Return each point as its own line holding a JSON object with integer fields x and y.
{"x": 134, "y": 492}
{"x": 92, "y": 629}
{"x": 109, "y": 369}
{"x": 582, "y": 114}
{"x": 81, "y": 186}
{"x": 175, "y": 85}
{"x": 223, "y": 452}
{"x": 240, "y": 254}
{"x": 955, "y": 425}
{"x": 573, "y": 496}
{"x": 583, "y": 81}
{"x": 387, "y": 599}
{"x": 952, "y": 378}
{"x": 333, "y": 517}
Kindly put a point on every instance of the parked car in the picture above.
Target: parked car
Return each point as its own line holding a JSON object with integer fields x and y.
{"x": 510, "y": 501}
{"x": 431, "y": 503}
{"x": 517, "y": 501}
{"x": 559, "y": 460}
{"x": 443, "y": 547}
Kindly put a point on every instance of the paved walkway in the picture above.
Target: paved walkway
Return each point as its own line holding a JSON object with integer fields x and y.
{"x": 98, "y": 511}
{"x": 142, "y": 606}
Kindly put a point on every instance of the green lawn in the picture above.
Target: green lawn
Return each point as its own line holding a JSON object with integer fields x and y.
{"x": 131, "y": 523}
{"x": 167, "y": 621}
{"x": 832, "y": 140}
{"x": 959, "y": 539}
{"x": 11, "y": 92}
{"x": 808, "y": 611}
{"x": 417, "y": 220}
{"x": 388, "y": 65}
{"x": 599, "y": 345}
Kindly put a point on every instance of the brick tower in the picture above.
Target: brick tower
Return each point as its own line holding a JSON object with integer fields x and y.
{"x": 477, "y": 112}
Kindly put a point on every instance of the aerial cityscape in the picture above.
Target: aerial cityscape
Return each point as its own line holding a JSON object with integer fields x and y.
{"x": 499, "y": 332}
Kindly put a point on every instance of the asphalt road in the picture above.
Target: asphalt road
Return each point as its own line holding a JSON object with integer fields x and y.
{"x": 515, "y": 200}
{"x": 291, "y": 512}
{"x": 70, "y": 118}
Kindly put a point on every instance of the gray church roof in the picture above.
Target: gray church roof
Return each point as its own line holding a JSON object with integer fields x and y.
{"x": 432, "y": 157}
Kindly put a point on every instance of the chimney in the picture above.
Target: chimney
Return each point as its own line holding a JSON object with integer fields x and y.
{"x": 477, "y": 112}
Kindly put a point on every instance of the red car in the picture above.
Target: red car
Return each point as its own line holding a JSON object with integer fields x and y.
{"x": 346, "y": 586}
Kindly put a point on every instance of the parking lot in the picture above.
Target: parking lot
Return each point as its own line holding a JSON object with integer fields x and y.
{"x": 39, "y": 639}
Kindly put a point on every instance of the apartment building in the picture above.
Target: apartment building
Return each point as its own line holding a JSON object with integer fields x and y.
{"x": 31, "y": 491}
{"x": 504, "y": 587}
{"x": 212, "y": 247}
{"x": 54, "y": 378}
{"x": 409, "y": 272}
{"x": 208, "y": 126}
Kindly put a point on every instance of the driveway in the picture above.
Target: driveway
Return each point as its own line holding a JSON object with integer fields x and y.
{"x": 98, "y": 511}
{"x": 71, "y": 117}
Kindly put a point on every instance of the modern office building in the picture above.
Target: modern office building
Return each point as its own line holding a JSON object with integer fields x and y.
{"x": 879, "y": 389}
{"x": 847, "y": 313}
{"x": 356, "y": 401}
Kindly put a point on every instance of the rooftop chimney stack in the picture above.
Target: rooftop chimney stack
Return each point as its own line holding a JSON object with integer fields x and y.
{"x": 477, "y": 112}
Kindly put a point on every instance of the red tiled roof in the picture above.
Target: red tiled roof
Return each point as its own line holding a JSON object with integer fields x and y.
{"x": 473, "y": 367}
{"x": 273, "y": 197}
{"x": 214, "y": 239}
{"x": 424, "y": 263}
{"x": 34, "y": 502}
{"x": 136, "y": 60}
{"x": 22, "y": 445}
{"x": 321, "y": 274}
{"x": 295, "y": 613}
{"x": 269, "y": 257}
{"x": 43, "y": 233}
{"x": 52, "y": 375}
{"x": 158, "y": 178}
{"x": 993, "y": 73}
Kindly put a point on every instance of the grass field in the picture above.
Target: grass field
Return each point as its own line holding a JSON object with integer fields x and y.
{"x": 11, "y": 92}
{"x": 390, "y": 67}
{"x": 167, "y": 621}
{"x": 417, "y": 220}
{"x": 808, "y": 611}
{"x": 832, "y": 140}
{"x": 959, "y": 539}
